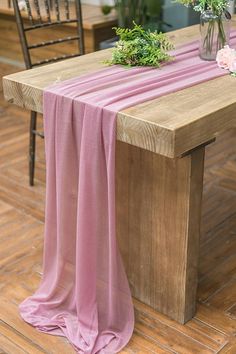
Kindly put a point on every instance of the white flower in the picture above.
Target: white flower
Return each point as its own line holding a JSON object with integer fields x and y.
{"x": 22, "y": 5}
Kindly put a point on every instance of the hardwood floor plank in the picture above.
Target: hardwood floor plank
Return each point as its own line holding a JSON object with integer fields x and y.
{"x": 217, "y": 277}
{"x": 8, "y": 346}
{"x": 225, "y": 297}
{"x": 155, "y": 319}
{"x": 4, "y": 207}
{"x": 217, "y": 319}
{"x": 232, "y": 311}
{"x": 22, "y": 343}
{"x": 141, "y": 341}
{"x": 230, "y": 348}
{"x": 208, "y": 331}
{"x": 168, "y": 338}
{"x": 51, "y": 344}
{"x": 29, "y": 206}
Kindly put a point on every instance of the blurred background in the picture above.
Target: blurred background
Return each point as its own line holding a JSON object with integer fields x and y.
{"x": 99, "y": 16}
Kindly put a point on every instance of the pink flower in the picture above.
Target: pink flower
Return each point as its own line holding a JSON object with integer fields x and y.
{"x": 232, "y": 65}
{"x": 226, "y": 58}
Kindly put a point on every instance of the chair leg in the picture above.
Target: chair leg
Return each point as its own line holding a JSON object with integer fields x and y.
{"x": 32, "y": 143}
{"x": 51, "y": 4}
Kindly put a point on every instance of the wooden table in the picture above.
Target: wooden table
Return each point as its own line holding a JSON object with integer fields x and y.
{"x": 159, "y": 175}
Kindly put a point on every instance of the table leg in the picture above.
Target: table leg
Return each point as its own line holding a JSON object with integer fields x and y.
{"x": 158, "y": 206}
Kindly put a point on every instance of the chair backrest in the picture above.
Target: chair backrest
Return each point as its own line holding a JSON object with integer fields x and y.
{"x": 42, "y": 14}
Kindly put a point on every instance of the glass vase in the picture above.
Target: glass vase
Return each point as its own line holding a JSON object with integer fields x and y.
{"x": 215, "y": 33}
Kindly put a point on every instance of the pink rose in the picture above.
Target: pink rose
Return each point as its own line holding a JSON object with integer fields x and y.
{"x": 232, "y": 65}
{"x": 226, "y": 57}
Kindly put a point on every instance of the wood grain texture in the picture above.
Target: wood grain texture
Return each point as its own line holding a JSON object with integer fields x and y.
{"x": 21, "y": 230}
{"x": 158, "y": 203}
{"x": 170, "y": 125}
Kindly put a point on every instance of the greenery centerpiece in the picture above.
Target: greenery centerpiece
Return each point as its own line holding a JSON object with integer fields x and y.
{"x": 214, "y": 25}
{"x": 140, "y": 47}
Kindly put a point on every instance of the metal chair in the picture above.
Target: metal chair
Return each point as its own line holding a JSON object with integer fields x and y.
{"x": 41, "y": 14}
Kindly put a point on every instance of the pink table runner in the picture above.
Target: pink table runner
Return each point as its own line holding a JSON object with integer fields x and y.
{"x": 84, "y": 293}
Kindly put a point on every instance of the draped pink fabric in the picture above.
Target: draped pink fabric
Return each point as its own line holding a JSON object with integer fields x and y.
{"x": 84, "y": 293}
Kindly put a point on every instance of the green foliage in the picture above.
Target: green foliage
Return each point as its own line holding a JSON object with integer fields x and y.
{"x": 106, "y": 9}
{"x": 218, "y": 7}
{"x": 138, "y": 47}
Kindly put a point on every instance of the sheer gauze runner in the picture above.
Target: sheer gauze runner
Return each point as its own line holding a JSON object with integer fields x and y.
{"x": 84, "y": 293}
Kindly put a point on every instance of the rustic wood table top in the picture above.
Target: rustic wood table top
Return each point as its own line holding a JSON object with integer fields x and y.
{"x": 170, "y": 125}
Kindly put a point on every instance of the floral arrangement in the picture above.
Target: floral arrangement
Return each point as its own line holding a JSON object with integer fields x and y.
{"x": 214, "y": 12}
{"x": 226, "y": 59}
{"x": 218, "y": 7}
{"x": 140, "y": 47}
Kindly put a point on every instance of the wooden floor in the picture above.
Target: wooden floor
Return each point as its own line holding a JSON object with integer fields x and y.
{"x": 212, "y": 330}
